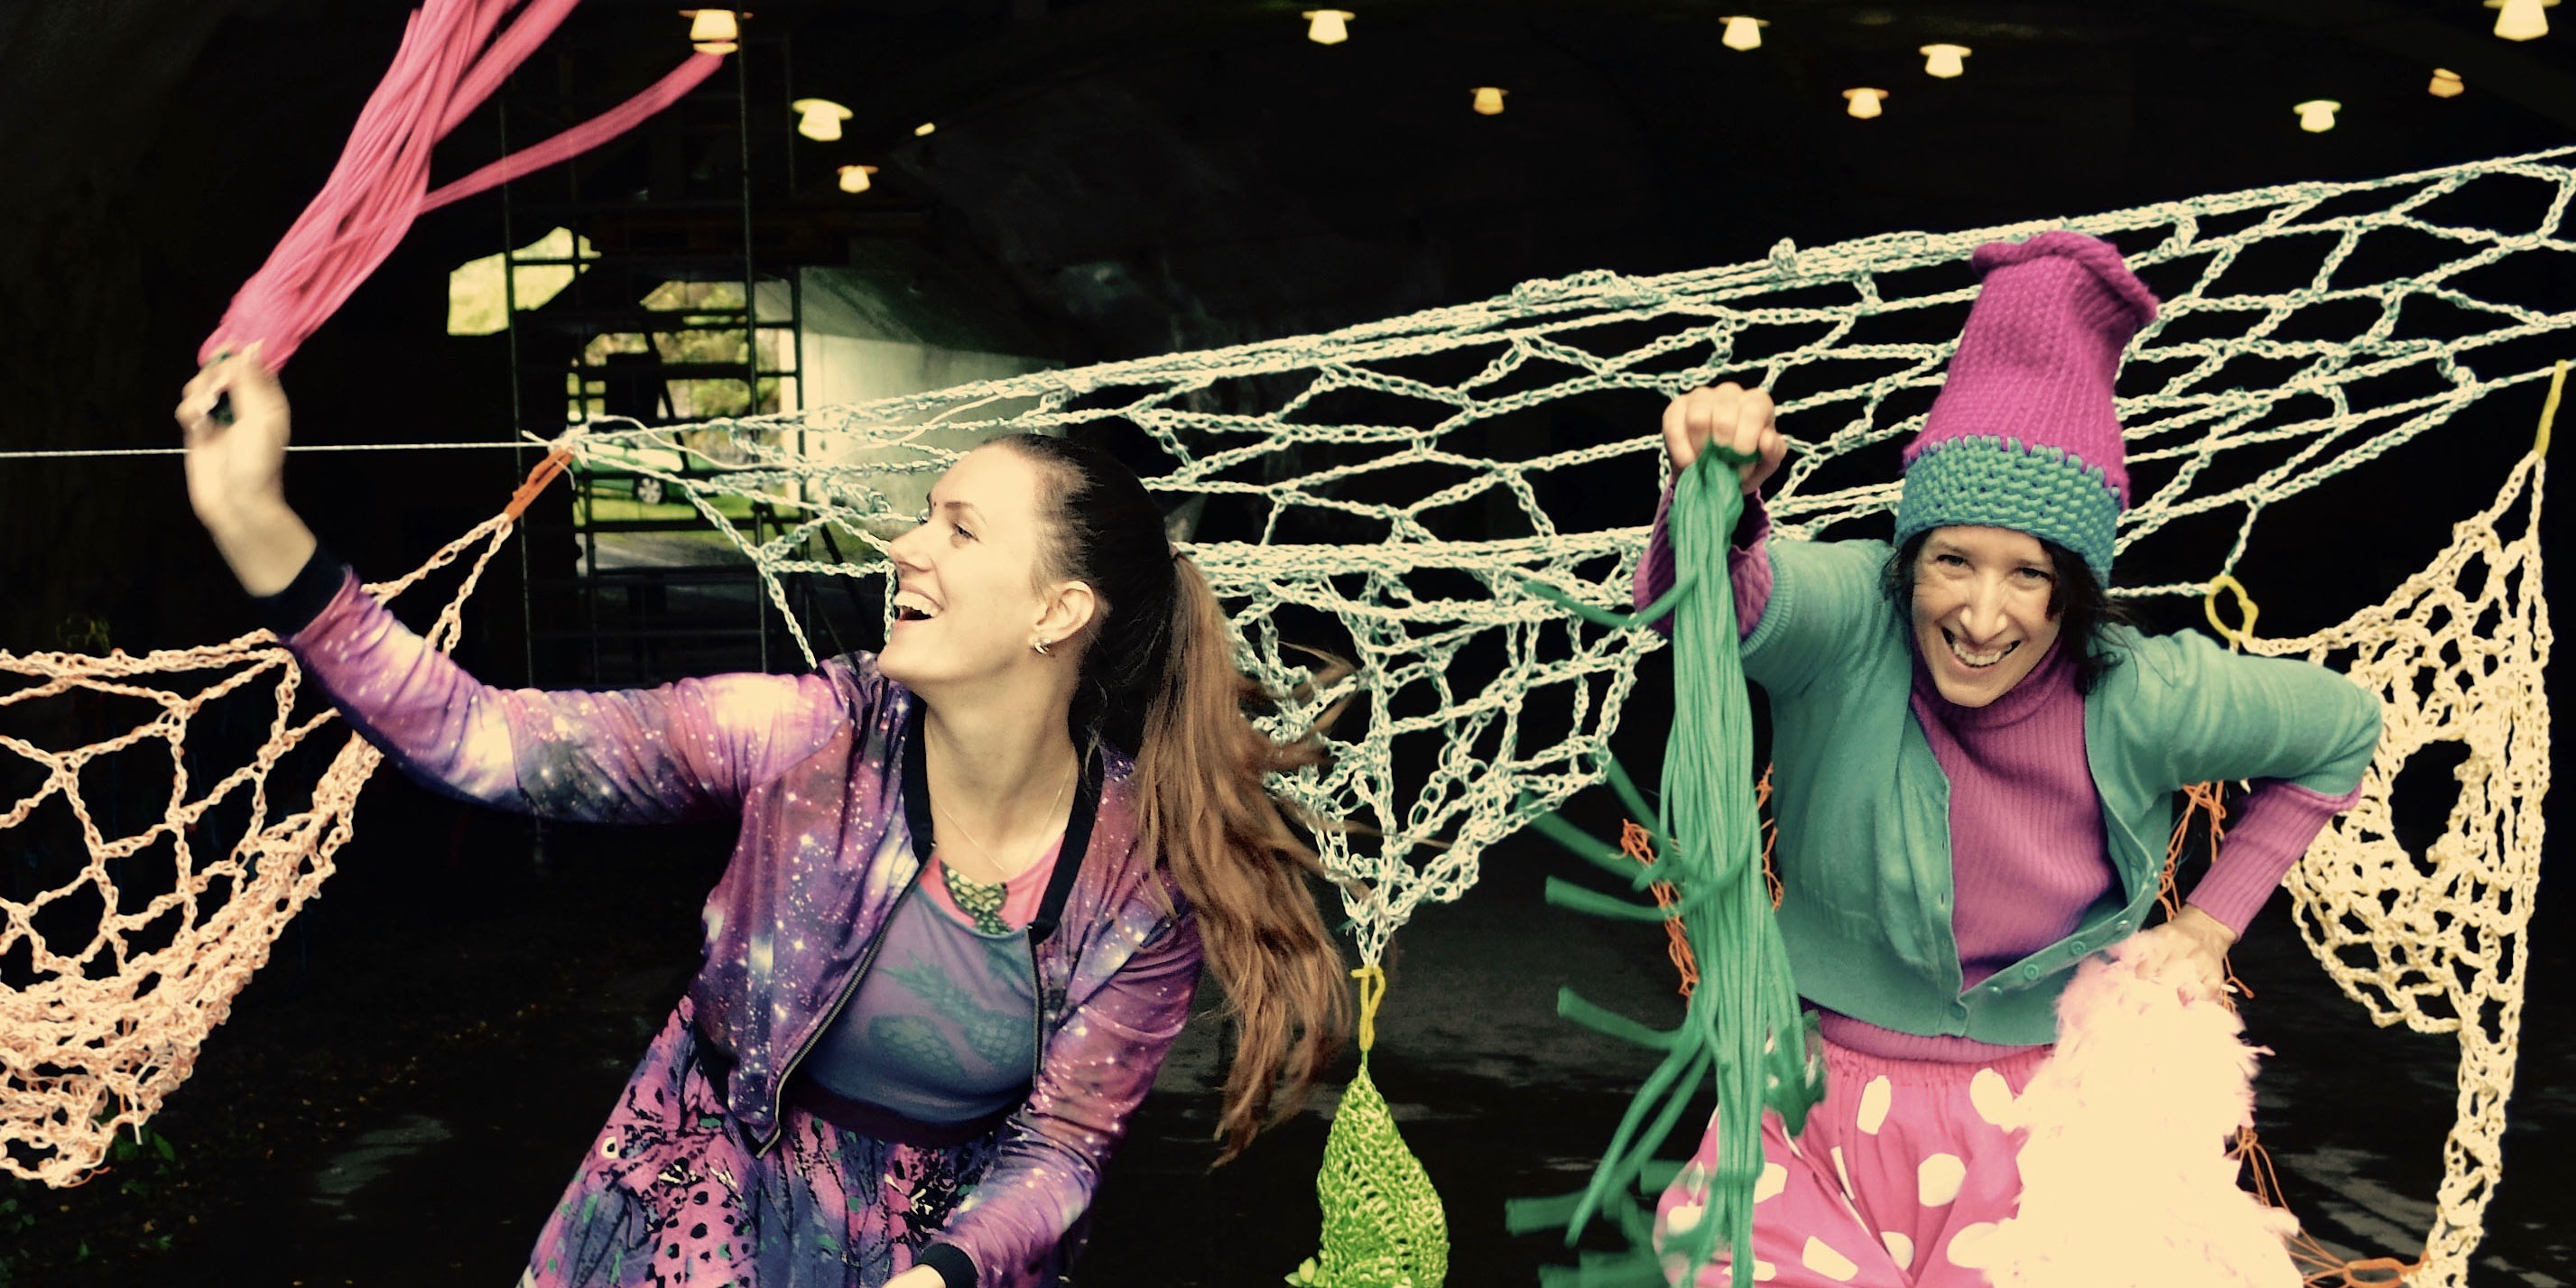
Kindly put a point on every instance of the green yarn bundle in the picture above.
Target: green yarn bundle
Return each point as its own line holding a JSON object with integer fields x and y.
{"x": 1742, "y": 1034}
{"x": 1383, "y": 1227}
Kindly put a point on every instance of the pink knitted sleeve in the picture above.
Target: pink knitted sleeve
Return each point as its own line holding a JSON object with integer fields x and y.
{"x": 1748, "y": 564}
{"x": 2269, "y": 834}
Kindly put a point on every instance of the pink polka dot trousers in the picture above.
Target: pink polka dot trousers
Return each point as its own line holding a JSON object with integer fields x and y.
{"x": 1901, "y": 1173}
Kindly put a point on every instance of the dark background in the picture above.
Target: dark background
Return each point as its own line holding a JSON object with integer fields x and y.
{"x": 404, "y": 1089}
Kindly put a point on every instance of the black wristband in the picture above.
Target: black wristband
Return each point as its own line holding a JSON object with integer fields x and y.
{"x": 294, "y": 608}
{"x": 955, "y": 1269}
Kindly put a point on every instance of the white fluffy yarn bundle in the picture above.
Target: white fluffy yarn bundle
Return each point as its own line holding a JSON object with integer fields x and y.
{"x": 2125, "y": 1176}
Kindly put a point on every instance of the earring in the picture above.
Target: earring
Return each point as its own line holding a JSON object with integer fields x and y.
{"x": 1041, "y": 647}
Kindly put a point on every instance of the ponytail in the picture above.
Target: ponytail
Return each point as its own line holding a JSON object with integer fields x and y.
{"x": 1159, "y": 677}
{"x": 1207, "y": 810}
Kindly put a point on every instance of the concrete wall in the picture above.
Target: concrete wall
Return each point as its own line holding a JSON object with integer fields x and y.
{"x": 863, "y": 342}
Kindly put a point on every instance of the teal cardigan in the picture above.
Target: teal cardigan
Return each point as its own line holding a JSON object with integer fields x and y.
{"x": 1864, "y": 809}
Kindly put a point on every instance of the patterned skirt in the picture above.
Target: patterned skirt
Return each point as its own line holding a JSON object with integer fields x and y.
{"x": 671, "y": 1193}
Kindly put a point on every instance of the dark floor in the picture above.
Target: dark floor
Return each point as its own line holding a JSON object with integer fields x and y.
{"x": 404, "y": 1090}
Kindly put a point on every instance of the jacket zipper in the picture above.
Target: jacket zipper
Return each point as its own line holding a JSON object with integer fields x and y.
{"x": 778, "y": 1102}
{"x": 1037, "y": 1016}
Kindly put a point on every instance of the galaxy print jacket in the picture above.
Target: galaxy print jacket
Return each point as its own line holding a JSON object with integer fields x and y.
{"x": 815, "y": 766}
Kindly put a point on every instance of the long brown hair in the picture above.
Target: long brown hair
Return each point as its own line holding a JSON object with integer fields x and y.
{"x": 1159, "y": 678}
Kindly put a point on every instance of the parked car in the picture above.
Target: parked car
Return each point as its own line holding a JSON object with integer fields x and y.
{"x": 612, "y": 467}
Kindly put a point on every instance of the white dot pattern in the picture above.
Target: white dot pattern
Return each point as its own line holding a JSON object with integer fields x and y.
{"x": 1684, "y": 1218}
{"x": 1874, "y": 1102}
{"x": 1938, "y": 1178}
{"x": 1967, "y": 1247}
{"x": 1900, "y": 1249}
{"x": 1821, "y": 1258}
{"x": 1993, "y": 1098}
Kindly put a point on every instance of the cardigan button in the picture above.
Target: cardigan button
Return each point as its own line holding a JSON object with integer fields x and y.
{"x": 2030, "y": 971}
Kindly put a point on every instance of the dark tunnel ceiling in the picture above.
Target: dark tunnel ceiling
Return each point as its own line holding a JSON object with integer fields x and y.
{"x": 1148, "y": 174}
{"x": 1118, "y": 178}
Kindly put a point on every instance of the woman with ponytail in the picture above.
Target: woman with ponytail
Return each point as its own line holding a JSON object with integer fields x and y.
{"x": 975, "y": 880}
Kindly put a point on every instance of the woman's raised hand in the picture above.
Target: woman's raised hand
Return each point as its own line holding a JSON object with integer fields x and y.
{"x": 1732, "y": 417}
{"x": 237, "y": 471}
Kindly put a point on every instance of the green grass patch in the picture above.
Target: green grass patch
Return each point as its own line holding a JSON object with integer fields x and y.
{"x": 609, "y": 507}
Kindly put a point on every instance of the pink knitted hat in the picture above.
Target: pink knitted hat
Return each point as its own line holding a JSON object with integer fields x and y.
{"x": 2023, "y": 434}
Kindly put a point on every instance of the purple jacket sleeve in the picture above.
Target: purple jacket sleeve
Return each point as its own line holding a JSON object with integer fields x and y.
{"x": 686, "y": 750}
{"x": 1748, "y": 564}
{"x": 1100, "y": 1062}
{"x": 2271, "y": 832}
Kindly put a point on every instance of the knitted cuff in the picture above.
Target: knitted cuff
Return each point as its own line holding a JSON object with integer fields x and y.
{"x": 292, "y": 609}
{"x": 956, "y": 1269}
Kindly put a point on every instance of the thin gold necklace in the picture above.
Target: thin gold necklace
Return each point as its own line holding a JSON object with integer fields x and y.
{"x": 985, "y": 850}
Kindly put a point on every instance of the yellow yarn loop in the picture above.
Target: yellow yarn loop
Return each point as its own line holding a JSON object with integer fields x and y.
{"x": 1372, "y": 991}
{"x": 2549, "y": 408}
{"x": 2236, "y": 636}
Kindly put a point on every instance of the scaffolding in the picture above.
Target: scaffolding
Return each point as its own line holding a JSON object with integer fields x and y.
{"x": 675, "y": 311}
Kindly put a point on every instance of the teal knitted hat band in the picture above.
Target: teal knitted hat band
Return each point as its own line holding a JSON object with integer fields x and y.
{"x": 2026, "y": 432}
{"x": 1999, "y": 483}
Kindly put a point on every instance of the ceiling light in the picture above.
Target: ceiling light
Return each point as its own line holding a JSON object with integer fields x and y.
{"x": 1328, "y": 26}
{"x": 2521, "y": 19}
{"x": 925, "y": 129}
{"x": 2316, "y": 116}
{"x": 1865, "y": 102}
{"x": 854, "y": 178}
{"x": 2446, "y": 84}
{"x": 819, "y": 119}
{"x": 1488, "y": 101}
{"x": 1743, "y": 33}
{"x": 713, "y": 31}
{"x": 1943, "y": 60}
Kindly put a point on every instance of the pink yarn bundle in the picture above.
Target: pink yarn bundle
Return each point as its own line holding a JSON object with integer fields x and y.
{"x": 449, "y": 62}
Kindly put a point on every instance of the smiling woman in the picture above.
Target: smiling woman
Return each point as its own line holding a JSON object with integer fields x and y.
{"x": 1974, "y": 773}
{"x": 962, "y": 925}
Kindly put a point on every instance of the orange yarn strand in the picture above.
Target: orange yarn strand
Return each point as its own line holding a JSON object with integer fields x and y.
{"x": 1639, "y": 844}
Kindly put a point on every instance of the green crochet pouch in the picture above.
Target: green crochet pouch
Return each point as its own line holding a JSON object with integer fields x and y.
{"x": 1383, "y": 1227}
